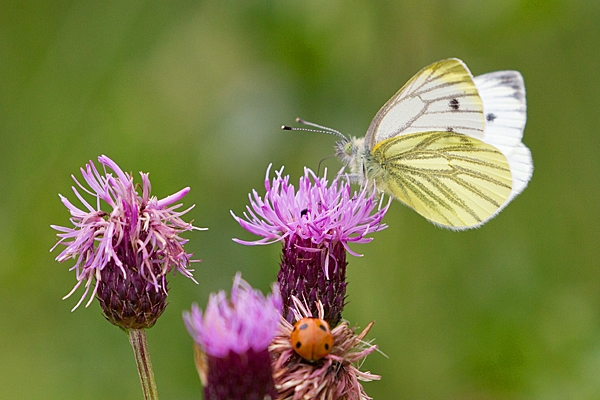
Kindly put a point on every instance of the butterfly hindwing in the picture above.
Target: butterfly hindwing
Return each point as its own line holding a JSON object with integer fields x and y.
{"x": 440, "y": 97}
{"x": 449, "y": 178}
{"x": 503, "y": 97}
{"x": 505, "y": 109}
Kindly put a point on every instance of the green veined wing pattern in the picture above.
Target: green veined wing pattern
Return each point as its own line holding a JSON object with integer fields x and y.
{"x": 453, "y": 180}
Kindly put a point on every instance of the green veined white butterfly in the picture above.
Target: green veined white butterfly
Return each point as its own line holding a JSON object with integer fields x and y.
{"x": 447, "y": 144}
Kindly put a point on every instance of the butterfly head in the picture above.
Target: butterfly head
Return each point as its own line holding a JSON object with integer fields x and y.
{"x": 349, "y": 151}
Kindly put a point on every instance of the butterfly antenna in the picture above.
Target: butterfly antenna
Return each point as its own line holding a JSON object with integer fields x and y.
{"x": 321, "y": 129}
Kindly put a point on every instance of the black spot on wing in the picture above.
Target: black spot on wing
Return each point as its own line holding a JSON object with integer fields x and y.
{"x": 454, "y": 104}
{"x": 490, "y": 117}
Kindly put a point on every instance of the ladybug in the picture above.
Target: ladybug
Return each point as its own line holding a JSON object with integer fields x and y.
{"x": 311, "y": 338}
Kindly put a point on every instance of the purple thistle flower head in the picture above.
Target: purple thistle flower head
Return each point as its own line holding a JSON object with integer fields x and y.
{"x": 127, "y": 248}
{"x": 316, "y": 223}
{"x": 325, "y": 214}
{"x": 233, "y": 336}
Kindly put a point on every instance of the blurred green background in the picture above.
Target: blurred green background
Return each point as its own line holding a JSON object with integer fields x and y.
{"x": 194, "y": 92}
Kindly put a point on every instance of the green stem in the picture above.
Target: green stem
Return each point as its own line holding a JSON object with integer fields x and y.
{"x": 137, "y": 338}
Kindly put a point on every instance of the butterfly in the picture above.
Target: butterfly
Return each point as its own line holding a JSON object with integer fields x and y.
{"x": 447, "y": 144}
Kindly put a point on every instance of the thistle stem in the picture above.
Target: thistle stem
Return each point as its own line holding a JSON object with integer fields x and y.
{"x": 137, "y": 338}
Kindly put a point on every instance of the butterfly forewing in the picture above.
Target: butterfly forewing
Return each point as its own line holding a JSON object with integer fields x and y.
{"x": 451, "y": 179}
{"x": 441, "y": 97}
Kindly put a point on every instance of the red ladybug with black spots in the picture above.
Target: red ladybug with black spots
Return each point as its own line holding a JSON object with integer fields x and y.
{"x": 311, "y": 338}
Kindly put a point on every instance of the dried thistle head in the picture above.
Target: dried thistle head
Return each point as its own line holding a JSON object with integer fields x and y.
{"x": 335, "y": 376}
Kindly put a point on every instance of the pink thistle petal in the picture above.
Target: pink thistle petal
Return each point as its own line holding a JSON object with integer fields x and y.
{"x": 172, "y": 198}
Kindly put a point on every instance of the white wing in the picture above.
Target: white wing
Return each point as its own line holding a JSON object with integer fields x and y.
{"x": 440, "y": 97}
{"x": 504, "y": 106}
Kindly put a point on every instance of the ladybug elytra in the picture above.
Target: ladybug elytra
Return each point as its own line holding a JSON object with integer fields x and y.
{"x": 311, "y": 338}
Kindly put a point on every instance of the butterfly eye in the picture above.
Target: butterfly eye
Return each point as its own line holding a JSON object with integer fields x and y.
{"x": 348, "y": 149}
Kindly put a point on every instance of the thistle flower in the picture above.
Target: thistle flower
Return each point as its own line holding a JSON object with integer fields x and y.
{"x": 315, "y": 223}
{"x": 335, "y": 376}
{"x": 233, "y": 338}
{"x": 126, "y": 251}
